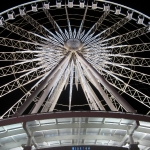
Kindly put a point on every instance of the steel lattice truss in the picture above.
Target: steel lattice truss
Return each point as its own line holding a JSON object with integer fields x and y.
{"x": 106, "y": 55}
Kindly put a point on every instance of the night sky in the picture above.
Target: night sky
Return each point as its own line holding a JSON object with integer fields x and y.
{"x": 78, "y": 98}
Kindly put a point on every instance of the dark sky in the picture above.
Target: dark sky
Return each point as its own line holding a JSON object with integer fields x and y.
{"x": 135, "y": 4}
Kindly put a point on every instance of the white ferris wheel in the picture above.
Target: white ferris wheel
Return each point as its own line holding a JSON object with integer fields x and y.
{"x": 100, "y": 46}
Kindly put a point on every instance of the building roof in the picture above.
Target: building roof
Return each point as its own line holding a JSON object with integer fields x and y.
{"x": 75, "y": 128}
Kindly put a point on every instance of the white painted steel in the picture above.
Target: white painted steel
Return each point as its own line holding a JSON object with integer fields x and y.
{"x": 102, "y": 50}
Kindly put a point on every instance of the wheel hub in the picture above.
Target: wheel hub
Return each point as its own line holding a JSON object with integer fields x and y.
{"x": 73, "y": 44}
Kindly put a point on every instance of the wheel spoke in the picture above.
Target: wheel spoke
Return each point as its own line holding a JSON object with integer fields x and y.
{"x": 54, "y": 98}
{"x": 125, "y": 37}
{"x": 84, "y": 85}
{"x": 44, "y": 83}
{"x": 102, "y": 80}
{"x": 71, "y": 83}
{"x": 97, "y": 101}
{"x": 97, "y": 24}
{"x": 82, "y": 22}
{"x": 99, "y": 88}
{"x": 129, "y": 90}
{"x": 76, "y": 77}
{"x": 23, "y": 45}
{"x": 21, "y": 81}
{"x": 23, "y": 33}
{"x": 16, "y": 56}
{"x": 113, "y": 28}
{"x": 129, "y": 73}
{"x": 54, "y": 24}
{"x": 36, "y": 25}
{"x": 131, "y": 61}
{"x": 18, "y": 68}
{"x": 56, "y": 39}
{"x": 53, "y": 82}
{"x": 11, "y": 111}
{"x": 68, "y": 21}
{"x": 56, "y": 91}
{"x": 122, "y": 86}
{"x": 114, "y": 101}
{"x": 127, "y": 49}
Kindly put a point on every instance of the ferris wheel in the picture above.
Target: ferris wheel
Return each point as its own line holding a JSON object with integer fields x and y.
{"x": 100, "y": 46}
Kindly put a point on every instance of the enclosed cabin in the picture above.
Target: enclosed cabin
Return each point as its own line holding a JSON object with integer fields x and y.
{"x": 140, "y": 19}
{"x": 22, "y": 11}
{"x": 94, "y": 5}
{"x": 70, "y": 3}
{"x": 58, "y": 3}
{"x": 46, "y": 5}
{"x": 106, "y": 7}
{"x": 117, "y": 10}
{"x": 11, "y": 15}
{"x": 129, "y": 14}
{"x": 34, "y": 7}
{"x": 81, "y": 3}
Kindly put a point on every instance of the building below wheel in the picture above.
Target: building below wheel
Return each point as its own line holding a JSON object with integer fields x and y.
{"x": 81, "y": 130}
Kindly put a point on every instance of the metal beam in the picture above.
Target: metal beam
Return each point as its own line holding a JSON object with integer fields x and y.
{"x": 104, "y": 34}
{"x": 21, "y": 81}
{"x": 18, "y": 68}
{"x": 129, "y": 134}
{"x": 125, "y": 49}
{"x": 53, "y": 100}
{"x": 125, "y": 37}
{"x": 124, "y": 87}
{"x": 23, "y": 33}
{"x": 79, "y": 130}
{"x": 23, "y": 45}
{"x": 99, "y": 88}
{"x": 129, "y": 61}
{"x": 96, "y": 25}
{"x": 126, "y": 72}
{"x": 54, "y": 24}
{"x": 82, "y": 22}
{"x": 86, "y": 137}
{"x": 68, "y": 21}
{"x": 30, "y": 139}
{"x": 84, "y": 85}
{"x": 97, "y": 101}
{"x": 56, "y": 90}
{"x": 101, "y": 79}
{"x": 36, "y": 25}
{"x": 41, "y": 86}
{"x": 53, "y": 81}
{"x": 71, "y": 83}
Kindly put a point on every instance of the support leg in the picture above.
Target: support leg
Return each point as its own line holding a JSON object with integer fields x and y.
{"x": 132, "y": 145}
{"x": 41, "y": 86}
{"x": 101, "y": 79}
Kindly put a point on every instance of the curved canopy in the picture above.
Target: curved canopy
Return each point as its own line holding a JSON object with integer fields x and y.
{"x": 75, "y": 128}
